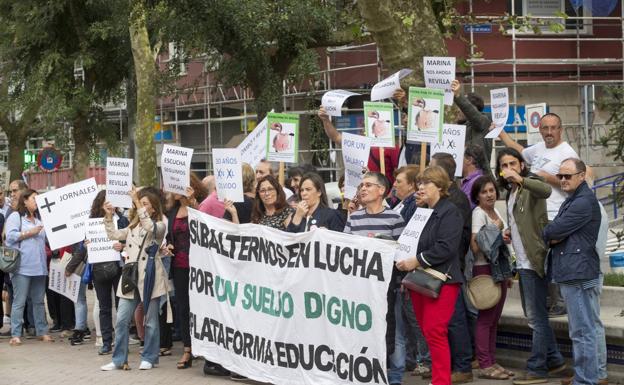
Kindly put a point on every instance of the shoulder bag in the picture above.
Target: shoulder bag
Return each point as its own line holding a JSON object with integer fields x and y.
{"x": 130, "y": 271}
{"x": 10, "y": 258}
{"x": 427, "y": 282}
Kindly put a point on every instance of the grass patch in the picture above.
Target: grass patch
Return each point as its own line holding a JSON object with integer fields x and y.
{"x": 614, "y": 279}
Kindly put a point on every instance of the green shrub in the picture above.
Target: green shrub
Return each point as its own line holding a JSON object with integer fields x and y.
{"x": 614, "y": 279}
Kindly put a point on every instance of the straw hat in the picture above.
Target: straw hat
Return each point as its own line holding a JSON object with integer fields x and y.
{"x": 483, "y": 292}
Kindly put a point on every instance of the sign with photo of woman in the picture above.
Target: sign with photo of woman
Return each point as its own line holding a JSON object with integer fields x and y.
{"x": 282, "y": 137}
{"x": 425, "y": 115}
{"x": 378, "y": 124}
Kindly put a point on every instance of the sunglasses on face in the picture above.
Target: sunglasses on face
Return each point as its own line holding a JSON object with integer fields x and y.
{"x": 567, "y": 176}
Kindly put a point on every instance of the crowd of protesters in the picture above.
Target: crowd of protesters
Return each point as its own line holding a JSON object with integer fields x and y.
{"x": 544, "y": 236}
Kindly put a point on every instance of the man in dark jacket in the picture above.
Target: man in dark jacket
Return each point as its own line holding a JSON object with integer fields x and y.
{"x": 572, "y": 236}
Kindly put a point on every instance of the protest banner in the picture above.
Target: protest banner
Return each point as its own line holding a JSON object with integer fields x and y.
{"x": 119, "y": 181}
{"x": 64, "y": 211}
{"x": 385, "y": 88}
{"x": 282, "y": 138}
{"x": 59, "y": 283}
{"x": 453, "y": 142}
{"x": 534, "y": 113}
{"x": 176, "y": 168}
{"x": 100, "y": 247}
{"x": 228, "y": 172}
{"x": 285, "y": 308}
{"x": 378, "y": 123}
{"x": 355, "y": 153}
{"x": 253, "y": 148}
{"x": 425, "y": 115}
{"x": 408, "y": 241}
{"x": 333, "y": 100}
{"x": 439, "y": 73}
{"x": 499, "y": 100}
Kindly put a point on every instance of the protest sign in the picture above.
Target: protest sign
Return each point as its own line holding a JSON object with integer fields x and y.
{"x": 288, "y": 308}
{"x": 499, "y": 99}
{"x": 355, "y": 153}
{"x": 176, "y": 168}
{"x": 59, "y": 283}
{"x": 333, "y": 100}
{"x": 425, "y": 115}
{"x": 378, "y": 124}
{"x": 228, "y": 172}
{"x": 453, "y": 142}
{"x": 534, "y": 113}
{"x": 385, "y": 88}
{"x": 282, "y": 138}
{"x": 100, "y": 247}
{"x": 439, "y": 73}
{"x": 119, "y": 181}
{"x": 253, "y": 148}
{"x": 64, "y": 211}
{"x": 408, "y": 241}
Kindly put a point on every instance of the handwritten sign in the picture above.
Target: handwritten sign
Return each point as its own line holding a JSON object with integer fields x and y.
{"x": 59, "y": 283}
{"x": 355, "y": 153}
{"x": 453, "y": 141}
{"x": 253, "y": 148}
{"x": 333, "y": 101}
{"x": 100, "y": 248}
{"x": 119, "y": 181}
{"x": 408, "y": 241}
{"x": 500, "y": 110}
{"x": 228, "y": 171}
{"x": 176, "y": 168}
{"x": 439, "y": 73}
{"x": 385, "y": 88}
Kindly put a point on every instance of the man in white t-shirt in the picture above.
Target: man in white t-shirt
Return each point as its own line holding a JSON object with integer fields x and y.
{"x": 544, "y": 159}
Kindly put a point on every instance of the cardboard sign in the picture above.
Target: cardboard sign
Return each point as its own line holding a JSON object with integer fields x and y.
{"x": 228, "y": 172}
{"x": 64, "y": 211}
{"x": 100, "y": 247}
{"x": 282, "y": 137}
{"x": 333, "y": 101}
{"x": 534, "y": 113}
{"x": 439, "y": 73}
{"x": 119, "y": 181}
{"x": 408, "y": 241}
{"x": 176, "y": 168}
{"x": 355, "y": 153}
{"x": 253, "y": 148}
{"x": 385, "y": 88}
{"x": 453, "y": 142}
{"x": 425, "y": 115}
{"x": 59, "y": 283}
{"x": 378, "y": 123}
{"x": 500, "y": 111}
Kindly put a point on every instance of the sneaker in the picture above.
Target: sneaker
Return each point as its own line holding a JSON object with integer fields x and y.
{"x": 529, "y": 379}
{"x": 6, "y": 334}
{"x": 87, "y": 335}
{"x": 237, "y": 377}
{"x": 55, "y": 328}
{"x": 77, "y": 338}
{"x": 105, "y": 350}
{"x": 30, "y": 333}
{"x": 133, "y": 341}
{"x": 145, "y": 365}
{"x": 99, "y": 342}
{"x": 421, "y": 370}
{"x": 6, "y": 320}
{"x": 109, "y": 367}
{"x": 461, "y": 377}
{"x": 212, "y": 369}
{"x": 561, "y": 371}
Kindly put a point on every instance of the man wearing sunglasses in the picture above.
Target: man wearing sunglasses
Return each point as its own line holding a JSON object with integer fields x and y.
{"x": 572, "y": 236}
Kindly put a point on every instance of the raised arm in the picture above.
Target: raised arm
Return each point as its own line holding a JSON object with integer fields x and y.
{"x": 329, "y": 128}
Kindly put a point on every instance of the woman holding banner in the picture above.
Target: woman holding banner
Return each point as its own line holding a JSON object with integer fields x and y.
{"x": 146, "y": 227}
{"x": 24, "y": 232}
{"x": 270, "y": 206}
{"x": 437, "y": 249}
{"x": 313, "y": 209}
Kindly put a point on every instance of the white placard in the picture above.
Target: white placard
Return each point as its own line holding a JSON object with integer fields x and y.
{"x": 176, "y": 168}
{"x": 5, "y": 180}
{"x": 59, "y": 283}
{"x": 439, "y": 73}
{"x": 499, "y": 99}
{"x": 228, "y": 172}
{"x": 453, "y": 142}
{"x": 119, "y": 181}
{"x": 264, "y": 302}
{"x": 355, "y": 154}
{"x": 534, "y": 113}
{"x": 333, "y": 101}
{"x": 100, "y": 248}
{"x": 385, "y": 88}
{"x": 64, "y": 211}
{"x": 253, "y": 147}
{"x": 408, "y": 241}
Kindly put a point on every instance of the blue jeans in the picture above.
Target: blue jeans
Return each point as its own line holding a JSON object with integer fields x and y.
{"x": 544, "y": 351}
{"x": 81, "y": 308}
{"x": 583, "y": 317}
{"x": 601, "y": 340}
{"x": 32, "y": 287}
{"x": 459, "y": 336}
{"x": 396, "y": 361}
{"x": 125, "y": 313}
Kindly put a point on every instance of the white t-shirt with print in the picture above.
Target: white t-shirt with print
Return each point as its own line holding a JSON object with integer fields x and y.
{"x": 549, "y": 160}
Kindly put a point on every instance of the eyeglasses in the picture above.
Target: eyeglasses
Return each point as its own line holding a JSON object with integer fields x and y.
{"x": 266, "y": 191}
{"x": 567, "y": 176}
{"x": 369, "y": 185}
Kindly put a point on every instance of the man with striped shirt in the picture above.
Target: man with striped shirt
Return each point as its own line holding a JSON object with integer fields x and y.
{"x": 376, "y": 220}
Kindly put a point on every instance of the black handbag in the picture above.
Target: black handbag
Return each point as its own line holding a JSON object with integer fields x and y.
{"x": 130, "y": 273}
{"x": 427, "y": 282}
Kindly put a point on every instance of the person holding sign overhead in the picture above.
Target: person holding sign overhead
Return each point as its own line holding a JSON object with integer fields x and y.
{"x": 24, "y": 232}
{"x": 313, "y": 210}
{"x": 146, "y": 227}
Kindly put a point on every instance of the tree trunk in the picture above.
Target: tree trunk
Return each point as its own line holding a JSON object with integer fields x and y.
{"x": 403, "y": 43}
{"x": 145, "y": 70}
{"x": 131, "y": 110}
{"x": 17, "y": 143}
{"x": 81, "y": 149}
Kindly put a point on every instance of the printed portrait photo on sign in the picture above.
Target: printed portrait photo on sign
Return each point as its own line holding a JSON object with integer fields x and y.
{"x": 378, "y": 123}
{"x": 426, "y": 114}
{"x": 282, "y": 137}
